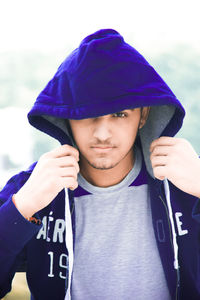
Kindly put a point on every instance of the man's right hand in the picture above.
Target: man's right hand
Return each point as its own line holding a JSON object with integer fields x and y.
{"x": 54, "y": 171}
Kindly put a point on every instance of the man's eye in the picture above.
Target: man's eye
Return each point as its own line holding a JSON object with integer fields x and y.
{"x": 120, "y": 115}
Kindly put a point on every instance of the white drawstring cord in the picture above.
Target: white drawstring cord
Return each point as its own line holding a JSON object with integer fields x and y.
{"x": 69, "y": 243}
{"x": 175, "y": 245}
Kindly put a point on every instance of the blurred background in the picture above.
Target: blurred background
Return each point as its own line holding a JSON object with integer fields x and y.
{"x": 36, "y": 36}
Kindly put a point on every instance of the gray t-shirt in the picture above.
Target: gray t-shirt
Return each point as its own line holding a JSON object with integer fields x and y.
{"x": 116, "y": 255}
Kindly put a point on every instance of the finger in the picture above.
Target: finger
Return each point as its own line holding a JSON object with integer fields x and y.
{"x": 68, "y": 172}
{"x": 69, "y": 182}
{"x": 64, "y": 150}
{"x": 161, "y": 151}
{"x": 162, "y": 141}
{"x": 158, "y": 161}
{"x": 67, "y": 161}
{"x": 160, "y": 172}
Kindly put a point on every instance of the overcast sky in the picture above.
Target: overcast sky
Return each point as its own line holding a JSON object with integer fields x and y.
{"x": 48, "y": 25}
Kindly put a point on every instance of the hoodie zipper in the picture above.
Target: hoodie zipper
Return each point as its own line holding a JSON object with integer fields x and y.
{"x": 177, "y": 271}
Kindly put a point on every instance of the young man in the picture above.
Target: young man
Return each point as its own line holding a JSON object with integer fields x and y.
{"x": 129, "y": 233}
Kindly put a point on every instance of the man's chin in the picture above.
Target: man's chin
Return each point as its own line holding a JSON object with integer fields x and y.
{"x": 102, "y": 165}
{"x": 97, "y": 167}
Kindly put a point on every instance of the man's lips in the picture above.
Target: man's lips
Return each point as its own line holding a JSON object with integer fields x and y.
{"x": 102, "y": 148}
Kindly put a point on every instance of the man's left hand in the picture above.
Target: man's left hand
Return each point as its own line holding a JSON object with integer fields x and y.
{"x": 176, "y": 160}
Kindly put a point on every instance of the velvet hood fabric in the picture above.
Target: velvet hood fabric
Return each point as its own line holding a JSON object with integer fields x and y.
{"x": 105, "y": 75}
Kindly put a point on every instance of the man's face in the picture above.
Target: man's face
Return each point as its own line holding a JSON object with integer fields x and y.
{"x": 106, "y": 141}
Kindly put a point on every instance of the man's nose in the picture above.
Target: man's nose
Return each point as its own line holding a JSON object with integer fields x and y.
{"x": 102, "y": 130}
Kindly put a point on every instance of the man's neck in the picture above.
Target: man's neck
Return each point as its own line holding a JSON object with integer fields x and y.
{"x": 108, "y": 177}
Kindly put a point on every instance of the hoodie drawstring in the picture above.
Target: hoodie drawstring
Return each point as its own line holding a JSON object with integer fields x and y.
{"x": 69, "y": 243}
{"x": 175, "y": 245}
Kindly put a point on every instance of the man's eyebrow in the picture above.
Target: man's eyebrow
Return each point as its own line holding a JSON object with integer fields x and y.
{"x": 131, "y": 109}
{"x": 126, "y": 109}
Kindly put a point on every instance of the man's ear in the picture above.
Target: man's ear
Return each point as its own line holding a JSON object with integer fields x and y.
{"x": 144, "y": 115}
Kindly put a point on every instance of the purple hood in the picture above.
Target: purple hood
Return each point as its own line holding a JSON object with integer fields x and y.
{"x": 102, "y": 76}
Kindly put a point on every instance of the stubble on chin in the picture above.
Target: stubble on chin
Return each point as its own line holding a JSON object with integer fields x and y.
{"x": 101, "y": 165}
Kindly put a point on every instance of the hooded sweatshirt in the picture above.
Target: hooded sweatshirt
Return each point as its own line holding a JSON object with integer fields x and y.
{"x": 104, "y": 75}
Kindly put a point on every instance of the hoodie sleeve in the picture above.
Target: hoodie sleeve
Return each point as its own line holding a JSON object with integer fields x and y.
{"x": 15, "y": 232}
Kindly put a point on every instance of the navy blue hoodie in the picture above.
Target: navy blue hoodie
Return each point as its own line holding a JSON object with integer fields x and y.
{"x": 103, "y": 75}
